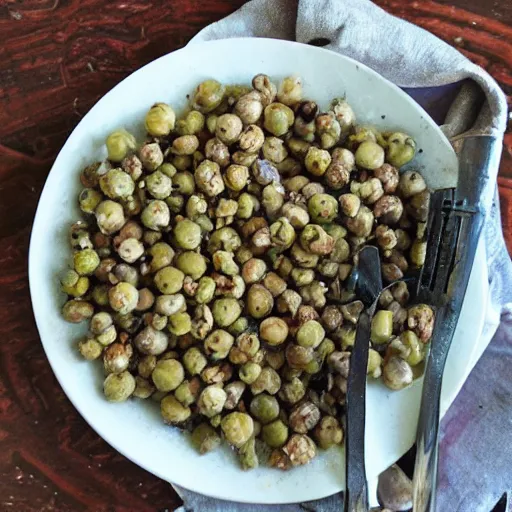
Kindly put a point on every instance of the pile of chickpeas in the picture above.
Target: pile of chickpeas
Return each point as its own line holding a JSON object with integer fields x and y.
{"x": 212, "y": 258}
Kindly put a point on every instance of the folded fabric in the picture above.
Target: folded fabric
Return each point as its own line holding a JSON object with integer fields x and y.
{"x": 412, "y": 58}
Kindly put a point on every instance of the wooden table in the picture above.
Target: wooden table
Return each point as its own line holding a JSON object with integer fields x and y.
{"x": 57, "y": 59}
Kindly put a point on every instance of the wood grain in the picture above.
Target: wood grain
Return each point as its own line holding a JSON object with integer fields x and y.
{"x": 57, "y": 59}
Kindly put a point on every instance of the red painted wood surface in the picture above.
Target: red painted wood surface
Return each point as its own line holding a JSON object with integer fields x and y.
{"x": 57, "y": 57}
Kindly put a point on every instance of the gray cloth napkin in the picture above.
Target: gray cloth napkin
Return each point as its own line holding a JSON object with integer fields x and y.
{"x": 409, "y": 57}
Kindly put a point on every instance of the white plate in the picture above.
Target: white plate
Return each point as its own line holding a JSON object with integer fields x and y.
{"x": 135, "y": 428}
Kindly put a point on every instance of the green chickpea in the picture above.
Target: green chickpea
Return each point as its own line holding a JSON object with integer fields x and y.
{"x": 401, "y": 149}
{"x": 196, "y": 206}
{"x": 205, "y": 439}
{"x": 418, "y": 252}
{"x": 182, "y": 162}
{"x": 161, "y": 255}
{"x": 236, "y": 177}
{"x": 272, "y": 199}
{"x": 362, "y": 224}
{"x": 293, "y": 391}
{"x": 173, "y": 411}
{"x": 226, "y": 311}
{"x": 253, "y": 270}
{"x": 151, "y": 342}
{"x": 159, "y": 185}
{"x": 303, "y": 258}
{"x": 119, "y": 144}
{"x": 317, "y": 161}
{"x": 382, "y": 326}
{"x": 160, "y": 120}
{"x": 344, "y": 114}
{"x": 369, "y": 155}
{"x": 211, "y": 401}
{"x": 168, "y": 374}
{"x": 346, "y": 336}
{"x": 90, "y": 349}
{"x": 249, "y": 372}
{"x": 248, "y": 456}
{"x": 218, "y": 344}
{"x": 118, "y": 387}
{"x": 328, "y": 432}
{"x": 310, "y": 334}
{"x": 275, "y": 360}
{"x": 110, "y": 217}
{"x": 194, "y": 361}
{"x": 290, "y": 90}
{"x": 100, "y": 295}
{"x": 226, "y": 208}
{"x": 191, "y": 264}
{"x": 297, "y": 215}
{"x": 328, "y": 129}
{"x": 302, "y": 276}
{"x": 187, "y": 234}
{"x": 130, "y": 250}
{"x": 323, "y": 208}
{"x": 208, "y": 178}
{"x": 79, "y": 288}
{"x": 151, "y": 156}
{"x": 208, "y": 96}
{"x": 192, "y": 124}
{"x": 411, "y": 341}
{"x": 238, "y": 428}
{"x": 282, "y": 233}
{"x": 116, "y": 357}
{"x": 175, "y": 202}
{"x": 146, "y": 366}
{"x": 315, "y": 240}
{"x": 274, "y": 284}
{"x": 205, "y": 290}
{"x": 89, "y": 199}
{"x": 300, "y": 449}
{"x": 397, "y": 373}
{"x": 211, "y": 123}
{"x": 228, "y": 128}
{"x": 278, "y": 119}
{"x": 314, "y": 294}
{"x": 156, "y": 215}
{"x": 374, "y": 364}
{"x": 259, "y": 301}
{"x": 180, "y": 324}
{"x": 289, "y": 302}
{"x": 275, "y": 434}
{"x": 246, "y": 206}
{"x": 349, "y": 204}
{"x": 249, "y": 107}
{"x": 304, "y": 417}
{"x": 168, "y": 169}
{"x": 143, "y": 388}
{"x": 265, "y": 408}
{"x": 274, "y": 150}
{"x": 274, "y": 330}
{"x": 183, "y": 183}
{"x": 123, "y": 298}
{"x": 268, "y": 380}
{"x": 411, "y": 183}
{"x": 169, "y": 280}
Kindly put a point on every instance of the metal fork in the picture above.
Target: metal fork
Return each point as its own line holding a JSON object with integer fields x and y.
{"x": 454, "y": 231}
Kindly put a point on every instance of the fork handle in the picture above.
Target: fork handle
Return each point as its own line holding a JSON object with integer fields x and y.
{"x": 356, "y": 492}
{"x": 425, "y": 467}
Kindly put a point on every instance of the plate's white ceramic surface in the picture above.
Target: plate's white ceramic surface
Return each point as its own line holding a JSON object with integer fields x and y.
{"x": 134, "y": 428}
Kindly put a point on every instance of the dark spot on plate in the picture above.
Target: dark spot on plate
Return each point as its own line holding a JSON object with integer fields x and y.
{"x": 420, "y": 150}
{"x": 383, "y": 116}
